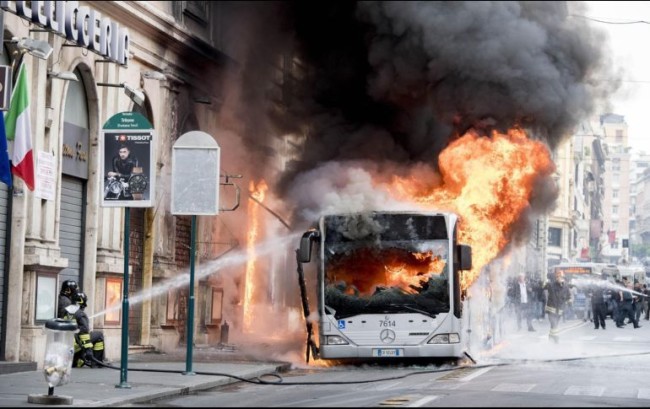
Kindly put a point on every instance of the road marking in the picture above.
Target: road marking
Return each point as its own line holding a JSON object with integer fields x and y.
{"x": 450, "y": 386}
{"x": 423, "y": 401}
{"x": 585, "y": 390}
{"x": 475, "y": 374}
{"x": 513, "y": 387}
{"x": 644, "y": 393}
{"x": 588, "y": 338}
{"x": 624, "y": 339}
{"x": 562, "y": 329}
{"x": 387, "y": 386}
{"x": 417, "y": 386}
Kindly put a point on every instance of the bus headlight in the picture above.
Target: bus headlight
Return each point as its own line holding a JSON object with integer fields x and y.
{"x": 336, "y": 340}
{"x": 452, "y": 338}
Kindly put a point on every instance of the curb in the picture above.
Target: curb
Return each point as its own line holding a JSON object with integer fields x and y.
{"x": 166, "y": 392}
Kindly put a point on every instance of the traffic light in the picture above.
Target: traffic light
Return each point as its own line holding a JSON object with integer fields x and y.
{"x": 626, "y": 243}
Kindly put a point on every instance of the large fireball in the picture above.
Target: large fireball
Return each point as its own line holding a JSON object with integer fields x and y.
{"x": 488, "y": 182}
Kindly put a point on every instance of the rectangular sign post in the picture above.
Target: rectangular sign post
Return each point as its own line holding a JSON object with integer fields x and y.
{"x": 128, "y": 165}
{"x": 195, "y": 190}
{"x": 127, "y": 157}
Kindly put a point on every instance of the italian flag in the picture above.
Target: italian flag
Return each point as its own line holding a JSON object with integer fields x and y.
{"x": 19, "y": 130}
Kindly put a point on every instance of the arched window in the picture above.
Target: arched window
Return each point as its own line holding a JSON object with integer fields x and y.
{"x": 74, "y": 169}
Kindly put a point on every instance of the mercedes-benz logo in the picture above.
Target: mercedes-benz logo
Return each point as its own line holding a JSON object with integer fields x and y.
{"x": 387, "y": 336}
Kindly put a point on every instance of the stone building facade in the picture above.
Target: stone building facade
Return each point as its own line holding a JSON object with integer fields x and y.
{"x": 175, "y": 53}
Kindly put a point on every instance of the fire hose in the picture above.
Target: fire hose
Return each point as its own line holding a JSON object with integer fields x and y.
{"x": 311, "y": 346}
{"x": 280, "y": 382}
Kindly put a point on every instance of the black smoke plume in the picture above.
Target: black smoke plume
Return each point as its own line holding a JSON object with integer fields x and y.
{"x": 395, "y": 82}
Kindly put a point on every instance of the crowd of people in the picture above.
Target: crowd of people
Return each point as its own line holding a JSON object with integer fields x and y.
{"x": 532, "y": 300}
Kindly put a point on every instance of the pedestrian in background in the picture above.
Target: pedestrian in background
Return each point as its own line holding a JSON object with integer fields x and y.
{"x": 599, "y": 303}
{"x": 540, "y": 298}
{"x": 588, "y": 307}
{"x": 569, "y": 312}
{"x": 522, "y": 298}
{"x": 646, "y": 302}
{"x": 616, "y": 299}
{"x": 637, "y": 302}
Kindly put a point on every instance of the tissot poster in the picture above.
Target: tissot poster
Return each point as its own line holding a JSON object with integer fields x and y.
{"x": 127, "y": 164}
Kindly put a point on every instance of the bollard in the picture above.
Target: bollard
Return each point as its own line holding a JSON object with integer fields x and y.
{"x": 57, "y": 364}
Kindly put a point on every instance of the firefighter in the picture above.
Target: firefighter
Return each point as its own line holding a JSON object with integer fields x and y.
{"x": 69, "y": 290}
{"x": 88, "y": 345}
{"x": 558, "y": 296}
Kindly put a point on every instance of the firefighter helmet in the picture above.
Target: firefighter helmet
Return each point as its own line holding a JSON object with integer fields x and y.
{"x": 81, "y": 299}
{"x": 69, "y": 287}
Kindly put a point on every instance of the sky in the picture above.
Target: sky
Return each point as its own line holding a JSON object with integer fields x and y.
{"x": 628, "y": 26}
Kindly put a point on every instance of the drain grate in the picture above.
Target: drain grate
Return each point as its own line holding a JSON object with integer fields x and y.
{"x": 457, "y": 374}
{"x": 398, "y": 401}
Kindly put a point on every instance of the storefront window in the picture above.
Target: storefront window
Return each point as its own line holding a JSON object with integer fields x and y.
{"x": 214, "y": 306}
{"x": 45, "y": 297}
{"x": 172, "y": 305}
{"x": 555, "y": 237}
{"x": 113, "y": 299}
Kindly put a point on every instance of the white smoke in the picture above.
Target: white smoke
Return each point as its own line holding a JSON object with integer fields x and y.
{"x": 337, "y": 187}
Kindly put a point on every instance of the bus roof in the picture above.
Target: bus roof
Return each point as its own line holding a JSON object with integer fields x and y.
{"x": 631, "y": 269}
{"x": 587, "y": 264}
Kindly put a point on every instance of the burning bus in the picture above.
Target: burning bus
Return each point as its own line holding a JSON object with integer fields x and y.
{"x": 388, "y": 285}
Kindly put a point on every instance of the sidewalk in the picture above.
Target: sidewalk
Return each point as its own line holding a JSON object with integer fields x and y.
{"x": 162, "y": 377}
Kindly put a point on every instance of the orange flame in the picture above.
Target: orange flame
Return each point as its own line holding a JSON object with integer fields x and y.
{"x": 488, "y": 182}
{"x": 364, "y": 271}
{"x": 257, "y": 193}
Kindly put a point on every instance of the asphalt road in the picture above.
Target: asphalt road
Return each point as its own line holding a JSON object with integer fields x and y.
{"x": 587, "y": 368}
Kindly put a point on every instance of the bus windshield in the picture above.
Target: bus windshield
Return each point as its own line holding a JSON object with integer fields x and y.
{"x": 387, "y": 272}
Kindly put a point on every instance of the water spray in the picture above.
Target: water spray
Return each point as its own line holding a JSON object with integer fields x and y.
{"x": 205, "y": 270}
{"x": 589, "y": 282}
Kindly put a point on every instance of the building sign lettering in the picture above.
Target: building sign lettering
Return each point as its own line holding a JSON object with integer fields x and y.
{"x": 82, "y": 155}
{"x": 80, "y": 24}
{"x": 77, "y": 152}
{"x": 68, "y": 151}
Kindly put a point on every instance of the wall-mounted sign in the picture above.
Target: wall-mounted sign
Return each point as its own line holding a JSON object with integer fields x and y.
{"x": 5, "y": 87}
{"x": 79, "y": 24}
{"x": 45, "y": 176}
{"x": 74, "y": 151}
{"x": 127, "y": 154}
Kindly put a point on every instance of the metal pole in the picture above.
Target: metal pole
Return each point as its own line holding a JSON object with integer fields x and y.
{"x": 2, "y": 30}
{"x": 124, "y": 358}
{"x": 190, "y": 303}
